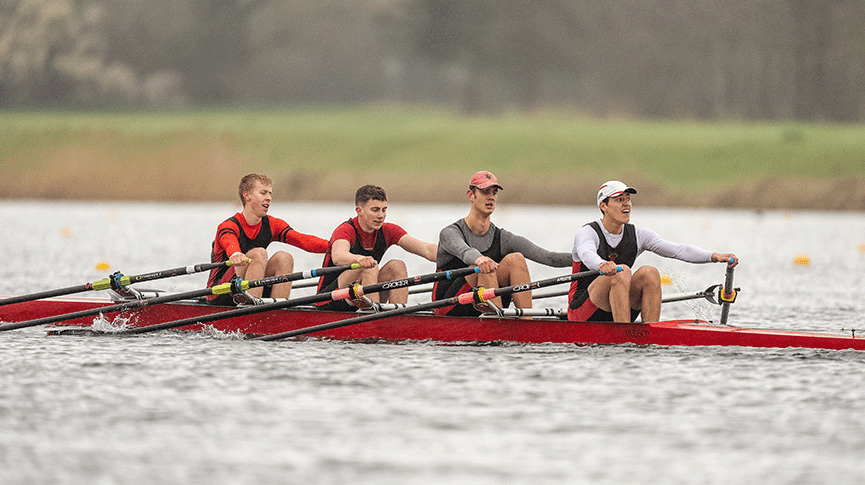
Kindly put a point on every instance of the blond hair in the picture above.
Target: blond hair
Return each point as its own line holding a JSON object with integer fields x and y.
{"x": 248, "y": 182}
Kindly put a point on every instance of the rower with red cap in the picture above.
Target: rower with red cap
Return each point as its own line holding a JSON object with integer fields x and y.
{"x": 612, "y": 241}
{"x": 500, "y": 254}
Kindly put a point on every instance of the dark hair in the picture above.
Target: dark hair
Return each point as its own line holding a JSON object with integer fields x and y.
{"x": 248, "y": 182}
{"x": 605, "y": 201}
{"x": 367, "y": 193}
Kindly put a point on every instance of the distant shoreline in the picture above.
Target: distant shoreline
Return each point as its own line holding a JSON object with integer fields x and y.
{"x": 427, "y": 156}
{"x": 774, "y": 195}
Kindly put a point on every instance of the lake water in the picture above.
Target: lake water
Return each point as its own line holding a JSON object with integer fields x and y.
{"x": 210, "y": 408}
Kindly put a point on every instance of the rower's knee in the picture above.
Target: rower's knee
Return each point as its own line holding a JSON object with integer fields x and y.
{"x": 257, "y": 255}
{"x": 624, "y": 276}
{"x": 514, "y": 261}
{"x": 513, "y": 270}
{"x": 281, "y": 262}
{"x": 648, "y": 277}
{"x": 394, "y": 269}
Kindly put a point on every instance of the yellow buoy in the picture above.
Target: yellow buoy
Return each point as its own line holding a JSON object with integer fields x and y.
{"x": 666, "y": 279}
{"x": 103, "y": 266}
{"x": 66, "y": 233}
{"x": 802, "y": 260}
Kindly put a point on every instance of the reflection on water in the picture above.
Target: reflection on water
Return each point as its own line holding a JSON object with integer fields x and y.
{"x": 213, "y": 408}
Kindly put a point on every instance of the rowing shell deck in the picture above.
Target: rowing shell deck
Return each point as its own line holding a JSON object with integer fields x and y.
{"x": 447, "y": 329}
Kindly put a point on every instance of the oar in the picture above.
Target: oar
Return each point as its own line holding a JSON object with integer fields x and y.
{"x": 709, "y": 294}
{"x": 413, "y": 291}
{"x": 728, "y": 293}
{"x": 356, "y": 291}
{"x": 116, "y": 281}
{"x": 480, "y": 296}
{"x": 223, "y": 289}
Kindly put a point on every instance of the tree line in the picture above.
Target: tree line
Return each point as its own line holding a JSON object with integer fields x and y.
{"x": 695, "y": 59}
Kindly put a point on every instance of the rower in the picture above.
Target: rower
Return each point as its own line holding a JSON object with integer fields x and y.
{"x": 603, "y": 244}
{"x": 243, "y": 239}
{"x": 500, "y": 254}
{"x": 364, "y": 239}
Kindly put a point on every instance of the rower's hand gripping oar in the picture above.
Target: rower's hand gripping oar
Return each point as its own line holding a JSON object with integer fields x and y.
{"x": 116, "y": 282}
{"x": 480, "y": 295}
{"x": 354, "y": 292}
{"x": 236, "y": 286}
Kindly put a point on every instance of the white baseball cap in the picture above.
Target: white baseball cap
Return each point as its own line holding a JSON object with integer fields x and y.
{"x": 613, "y": 188}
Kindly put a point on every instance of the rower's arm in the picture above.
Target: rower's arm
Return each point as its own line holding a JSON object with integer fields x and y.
{"x": 512, "y": 243}
{"x": 341, "y": 255}
{"x": 586, "y": 244}
{"x": 650, "y": 241}
{"x": 451, "y": 241}
{"x": 416, "y": 246}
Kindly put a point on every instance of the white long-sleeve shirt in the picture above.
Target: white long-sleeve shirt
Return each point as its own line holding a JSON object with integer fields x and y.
{"x": 586, "y": 244}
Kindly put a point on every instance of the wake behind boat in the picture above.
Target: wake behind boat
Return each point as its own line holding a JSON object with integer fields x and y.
{"x": 427, "y": 326}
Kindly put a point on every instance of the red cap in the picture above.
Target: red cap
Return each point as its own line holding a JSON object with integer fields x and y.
{"x": 483, "y": 180}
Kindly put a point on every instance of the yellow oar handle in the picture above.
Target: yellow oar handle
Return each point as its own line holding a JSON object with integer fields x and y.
{"x": 228, "y": 262}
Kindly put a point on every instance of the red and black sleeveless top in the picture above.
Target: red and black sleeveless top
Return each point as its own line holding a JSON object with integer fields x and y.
{"x": 377, "y": 253}
{"x": 262, "y": 240}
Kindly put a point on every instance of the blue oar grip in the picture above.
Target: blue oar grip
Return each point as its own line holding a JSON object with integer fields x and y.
{"x": 731, "y": 261}
{"x": 116, "y": 282}
{"x": 237, "y": 286}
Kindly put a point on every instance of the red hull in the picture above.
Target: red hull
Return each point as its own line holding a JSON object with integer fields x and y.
{"x": 449, "y": 329}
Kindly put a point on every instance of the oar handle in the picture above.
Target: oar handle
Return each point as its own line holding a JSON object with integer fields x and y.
{"x": 343, "y": 293}
{"x": 478, "y": 296}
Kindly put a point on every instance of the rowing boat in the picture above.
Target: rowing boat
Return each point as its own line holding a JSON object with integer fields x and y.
{"x": 427, "y": 326}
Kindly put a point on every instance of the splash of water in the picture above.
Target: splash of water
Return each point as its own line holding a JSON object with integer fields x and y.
{"x": 115, "y": 325}
{"x": 684, "y": 284}
{"x": 209, "y": 332}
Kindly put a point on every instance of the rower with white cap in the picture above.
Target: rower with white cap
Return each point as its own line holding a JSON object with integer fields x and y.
{"x": 612, "y": 241}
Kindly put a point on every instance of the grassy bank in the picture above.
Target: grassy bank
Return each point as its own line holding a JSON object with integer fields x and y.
{"x": 428, "y": 156}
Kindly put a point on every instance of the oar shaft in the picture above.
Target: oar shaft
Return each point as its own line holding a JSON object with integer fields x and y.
{"x": 688, "y": 296}
{"x": 47, "y": 294}
{"x": 168, "y": 273}
{"x": 340, "y": 294}
{"x": 224, "y": 288}
{"x": 728, "y": 294}
{"x": 120, "y": 280}
{"x": 481, "y": 295}
{"x": 413, "y": 291}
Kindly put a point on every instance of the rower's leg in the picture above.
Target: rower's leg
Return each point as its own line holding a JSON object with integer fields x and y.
{"x": 394, "y": 269}
{"x": 255, "y": 269}
{"x": 513, "y": 270}
{"x": 646, "y": 293}
{"x": 280, "y": 263}
{"x": 612, "y": 294}
{"x": 362, "y": 276}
